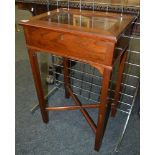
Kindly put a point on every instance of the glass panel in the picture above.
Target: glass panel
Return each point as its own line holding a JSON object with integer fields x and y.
{"x": 103, "y": 23}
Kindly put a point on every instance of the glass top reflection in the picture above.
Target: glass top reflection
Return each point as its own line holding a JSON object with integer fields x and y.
{"x": 94, "y": 22}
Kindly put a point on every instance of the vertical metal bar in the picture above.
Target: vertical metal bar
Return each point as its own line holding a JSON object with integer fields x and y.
{"x": 91, "y": 82}
{"x": 68, "y": 18}
{"x": 93, "y": 5}
{"x": 80, "y": 20}
{"x": 122, "y": 7}
{"x": 57, "y": 5}
{"x": 80, "y": 5}
{"x": 71, "y": 73}
{"x": 82, "y": 76}
{"x": 108, "y": 6}
{"x": 68, "y": 4}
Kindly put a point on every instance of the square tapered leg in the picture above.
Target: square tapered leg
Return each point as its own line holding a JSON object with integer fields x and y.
{"x": 102, "y": 121}
{"x": 38, "y": 85}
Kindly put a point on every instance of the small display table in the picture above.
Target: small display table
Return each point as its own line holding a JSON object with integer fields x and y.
{"x": 86, "y": 36}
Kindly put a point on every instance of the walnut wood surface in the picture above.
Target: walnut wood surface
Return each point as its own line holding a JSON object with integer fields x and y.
{"x": 89, "y": 45}
{"x": 101, "y": 123}
{"x": 75, "y": 107}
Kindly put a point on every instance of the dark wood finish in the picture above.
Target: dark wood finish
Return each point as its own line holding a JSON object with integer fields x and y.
{"x": 37, "y": 80}
{"x": 102, "y": 110}
{"x": 118, "y": 84}
{"x": 86, "y": 36}
{"x": 65, "y": 45}
{"x": 75, "y": 107}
